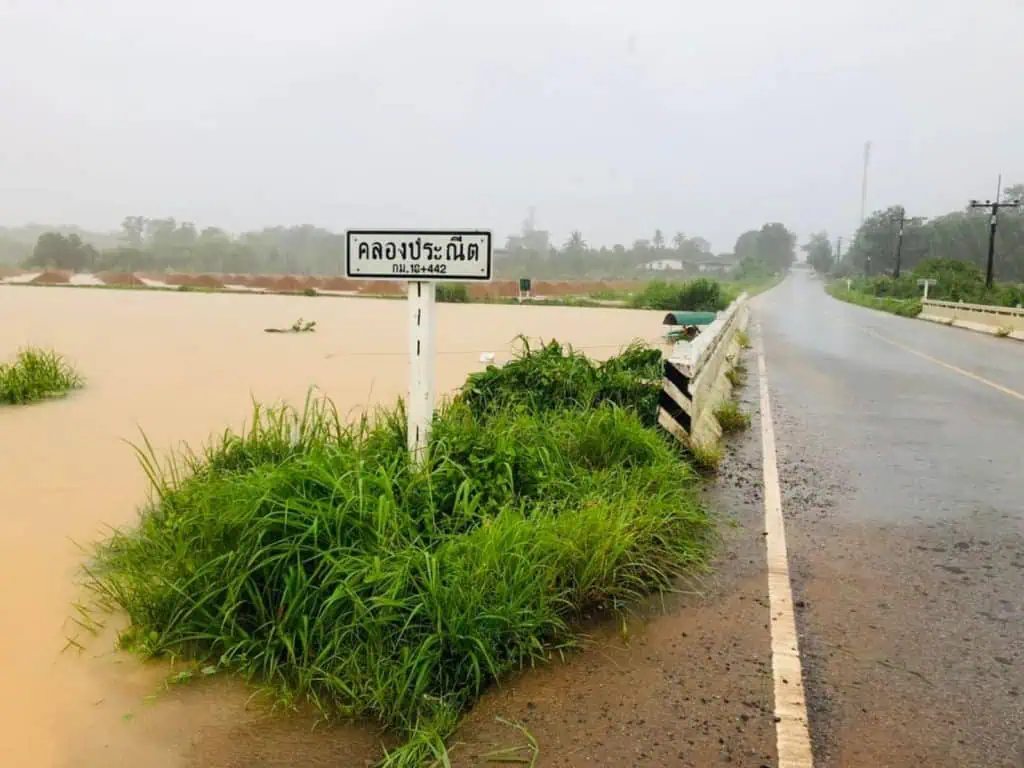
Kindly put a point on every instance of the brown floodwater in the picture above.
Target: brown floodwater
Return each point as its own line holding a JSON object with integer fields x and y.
{"x": 181, "y": 366}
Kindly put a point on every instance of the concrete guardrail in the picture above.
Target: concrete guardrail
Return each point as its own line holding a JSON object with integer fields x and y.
{"x": 695, "y": 380}
{"x": 1000, "y": 321}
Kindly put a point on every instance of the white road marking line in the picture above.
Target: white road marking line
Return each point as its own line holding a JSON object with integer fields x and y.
{"x": 937, "y": 361}
{"x": 944, "y": 364}
{"x": 792, "y": 736}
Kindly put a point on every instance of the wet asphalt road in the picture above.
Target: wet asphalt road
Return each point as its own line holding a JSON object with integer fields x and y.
{"x": 903, "y": 489}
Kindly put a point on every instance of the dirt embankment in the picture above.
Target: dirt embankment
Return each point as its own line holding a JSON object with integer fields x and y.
{"x": 52, "y": 277}
{"x": 192, "y": 281}
{"x": 339, "y": 284}
{"x": 497, "y": 289}
{"x": 126, "y": 279}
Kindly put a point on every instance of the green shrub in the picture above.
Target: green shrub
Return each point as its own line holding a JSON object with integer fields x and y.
{"x": 452, "y": 293}
{"x": 311, "y": 556}
{"x": 706, "y": 458}
{"x": 557, "y": 377}
{"x": 699, "y": 295}
{"x": 955, "y": 281}
{"x": 731, "y": 417}
{"x": 903, "y": 307}
{"x": 36, "y": 374}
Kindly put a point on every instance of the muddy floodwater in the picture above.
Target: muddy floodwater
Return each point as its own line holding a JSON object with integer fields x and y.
{"x": 180, "y": 366}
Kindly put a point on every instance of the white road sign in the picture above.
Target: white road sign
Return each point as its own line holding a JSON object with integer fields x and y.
{"x": 461, "y": 255}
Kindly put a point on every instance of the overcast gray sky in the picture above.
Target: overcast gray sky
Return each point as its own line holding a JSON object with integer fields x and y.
{"x": 611, "y": 116}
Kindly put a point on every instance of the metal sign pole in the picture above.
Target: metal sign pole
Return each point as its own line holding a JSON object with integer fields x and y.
{"x": 926, "y": 283}
{"x": 422, "y": 343}
{"x": 422, "y": 258}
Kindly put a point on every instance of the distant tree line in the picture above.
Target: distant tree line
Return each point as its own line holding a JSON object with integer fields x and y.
{"x": 955, "y": 236}
{"x": 145, "y": 244}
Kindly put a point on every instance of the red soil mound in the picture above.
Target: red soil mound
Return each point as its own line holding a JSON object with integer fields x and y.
{"x": 578, "y": 287}
{"x": 339, "y": 284}
{"x": 233, "y": 279}
{"x": 499, "y": 289}
{"x": 287, "y": 283}
{"x": 205, "y": 281}
{"x": 382, "y": 287}
{"x": 262, "y": 281}
{"x": 9, "y": 272}
{"x": 193, "y": 281}
{"x": 52, "y": 277}
{"x": 121, "y": 278}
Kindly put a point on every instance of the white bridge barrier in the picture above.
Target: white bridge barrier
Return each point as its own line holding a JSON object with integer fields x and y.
{"x": 1001, "y": 321}
{"x": 695, "y": 380}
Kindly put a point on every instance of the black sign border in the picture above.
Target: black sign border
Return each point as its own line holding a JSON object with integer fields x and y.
{"x": 433, "y": 278}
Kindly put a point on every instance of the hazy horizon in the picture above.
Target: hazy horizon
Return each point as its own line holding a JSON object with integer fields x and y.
{"x": 611, "y": 119}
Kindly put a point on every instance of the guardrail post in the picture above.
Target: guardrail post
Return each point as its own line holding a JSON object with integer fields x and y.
{"x": 694, "y": 378}
{"x": 675, "y": 404}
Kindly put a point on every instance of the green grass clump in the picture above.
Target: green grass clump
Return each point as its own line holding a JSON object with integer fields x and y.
{"x": 731, "y": 417}
{"x": 556, "y": 377}
{"x": 452, "y": 293}
{"x": 706, "y": 458}
{"x": 609, "y": 294}
{"x": 743, "y": 339}
{"x": 37, "y": 374}
{"x": 312, "y": 557}
{"x": 902, "y": 307}
{"x": 698, "y": 295}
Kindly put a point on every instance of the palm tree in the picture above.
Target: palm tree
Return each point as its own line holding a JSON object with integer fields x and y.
{"x": 575, "y": 243}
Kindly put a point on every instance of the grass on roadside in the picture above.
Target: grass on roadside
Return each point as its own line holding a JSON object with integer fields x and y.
{"x": 312, "y": 557}
{"x": 902, "y": 307}
{"x": 555, "y": 377}
{"x": 37, "y": 374}
{"x": 706, "y": 458}
{"x": 731, "y": 417}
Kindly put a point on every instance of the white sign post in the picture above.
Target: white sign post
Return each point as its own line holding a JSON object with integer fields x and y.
{"x": 926, "y": 284}
{"x": 424, "y": 258}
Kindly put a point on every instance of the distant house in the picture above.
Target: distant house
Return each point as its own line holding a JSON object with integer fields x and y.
{"x": 664, "y": 265}
{"x": 721, "y": 265}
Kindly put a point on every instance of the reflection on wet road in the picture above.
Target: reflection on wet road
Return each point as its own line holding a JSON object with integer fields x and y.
{"x": 903, "y": 477}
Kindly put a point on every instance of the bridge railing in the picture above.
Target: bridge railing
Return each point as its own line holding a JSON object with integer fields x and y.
{"x": 1002, "y": 321}
{"x": 695, "y": 380}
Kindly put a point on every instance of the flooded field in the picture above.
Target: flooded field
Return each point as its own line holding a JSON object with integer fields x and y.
{"x": 181, "y": 365}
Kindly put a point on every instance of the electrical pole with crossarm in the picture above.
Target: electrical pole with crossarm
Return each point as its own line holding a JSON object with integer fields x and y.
{"x": 994, "y": 207}
{"x": 901, "y": 219}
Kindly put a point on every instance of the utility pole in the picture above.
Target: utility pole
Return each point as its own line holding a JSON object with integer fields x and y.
{"x": 864, "y": 181}
{"x": 994, "y": 207}
{"x": 899, "y": 240}
{"x": 839, "y": 248}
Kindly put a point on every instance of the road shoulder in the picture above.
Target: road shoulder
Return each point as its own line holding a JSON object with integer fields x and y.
{"x": 689, "y": 681}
